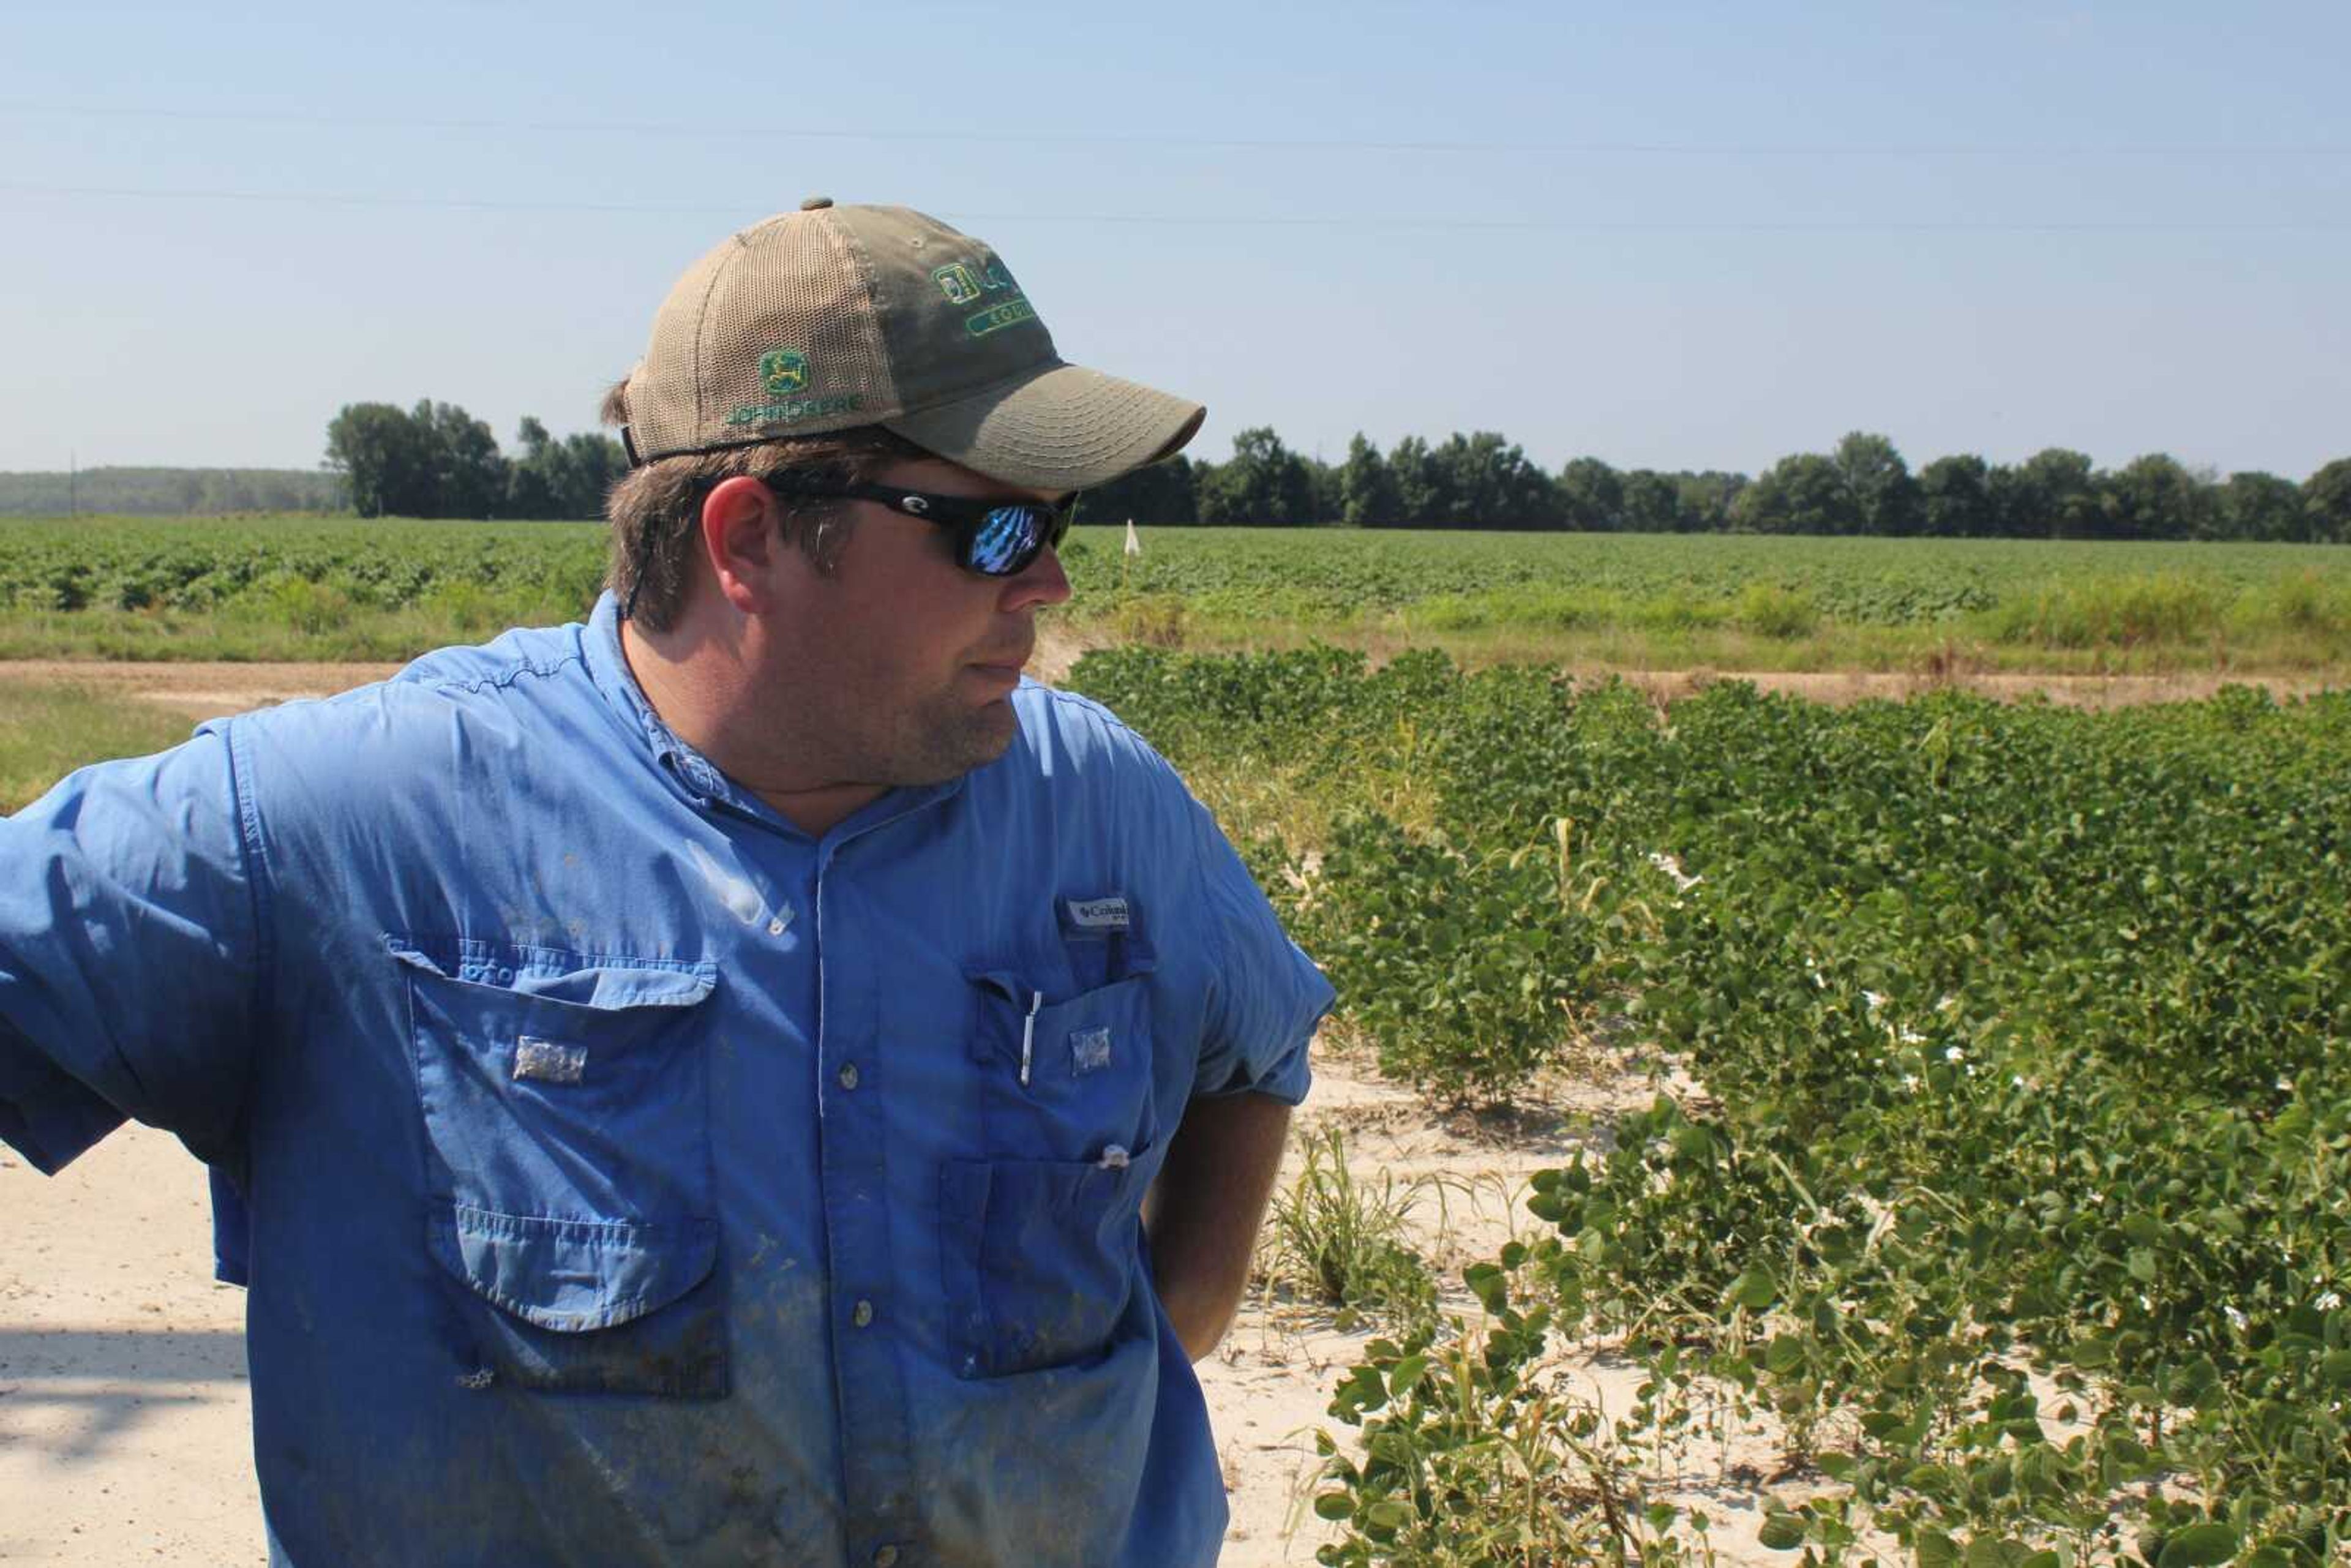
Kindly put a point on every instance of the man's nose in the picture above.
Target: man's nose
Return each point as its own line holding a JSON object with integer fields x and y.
{"x": 1040, "y": 582}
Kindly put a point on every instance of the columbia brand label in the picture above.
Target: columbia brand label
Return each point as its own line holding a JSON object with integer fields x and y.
{"x": 1089, "y": 1050}
{"x": 544, "y": 1061}
{"x": 1099, "y": 913}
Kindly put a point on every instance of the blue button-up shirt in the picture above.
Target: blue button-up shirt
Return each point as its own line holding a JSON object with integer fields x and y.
{"x": 627, "y": 1176}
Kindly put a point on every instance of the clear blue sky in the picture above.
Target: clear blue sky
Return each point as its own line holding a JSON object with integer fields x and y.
{"x": 1676, "y": 235}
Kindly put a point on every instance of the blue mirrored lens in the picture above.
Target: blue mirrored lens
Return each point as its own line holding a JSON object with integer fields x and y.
{"x": 1008, "y": 540}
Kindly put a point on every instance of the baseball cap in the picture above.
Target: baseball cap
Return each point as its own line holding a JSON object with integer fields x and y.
{"x": 838, "y": 315}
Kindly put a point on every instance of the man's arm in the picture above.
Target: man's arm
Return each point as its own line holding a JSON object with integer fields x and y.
{"x": 1205, "y": 1209}
{"x": 130, "y": 960}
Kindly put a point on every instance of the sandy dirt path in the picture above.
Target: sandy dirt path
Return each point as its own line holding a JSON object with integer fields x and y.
{"x": 208, "y": 690}
{"x": 123, "y": 1433}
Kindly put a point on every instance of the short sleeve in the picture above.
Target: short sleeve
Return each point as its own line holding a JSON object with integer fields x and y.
{"x": 1265, "y": 995}
{"x": 130, "y": 958}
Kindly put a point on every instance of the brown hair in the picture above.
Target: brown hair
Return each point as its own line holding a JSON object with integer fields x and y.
{"x": 655, "y": 510}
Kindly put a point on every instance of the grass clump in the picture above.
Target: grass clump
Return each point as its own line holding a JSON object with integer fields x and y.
{"x": 2156, "y": 608}
{"x": 1783, "y": 614}
{"x": 1342, "y": 1242}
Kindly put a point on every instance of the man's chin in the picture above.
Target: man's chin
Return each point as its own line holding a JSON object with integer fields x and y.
{"x": 973, "y": 738}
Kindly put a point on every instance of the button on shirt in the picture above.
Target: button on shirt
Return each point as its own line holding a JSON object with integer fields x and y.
{"x": 623, "y": 1175}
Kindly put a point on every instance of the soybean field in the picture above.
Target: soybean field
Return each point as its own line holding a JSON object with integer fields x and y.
{"x": 327, "y": 588}
{"x": 2006, "y": 1170}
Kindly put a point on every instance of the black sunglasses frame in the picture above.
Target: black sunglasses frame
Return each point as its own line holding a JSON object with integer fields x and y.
{"x": 968, "y": 515}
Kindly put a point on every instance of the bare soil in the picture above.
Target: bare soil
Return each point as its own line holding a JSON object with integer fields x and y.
{"x": 209, "y": 690}
{"x": 199, "y": 691}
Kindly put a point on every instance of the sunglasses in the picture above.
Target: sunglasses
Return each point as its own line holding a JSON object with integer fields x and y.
{"x": 994, "y": 539}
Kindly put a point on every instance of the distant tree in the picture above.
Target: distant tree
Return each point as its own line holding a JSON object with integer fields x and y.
{"x": 592, "y": 464}
{"x": 1492, "y": 485}
{"x": 1885, "y": 497}
{"x": 1323, "y": 481}
{"x": 2155, "y": 498}
{"x": 1160, "y": 493}
{"x": 535, "y": 479}
{"x": 2257, "y": 506}
{"x": 1804, "y": 494}
{"x": 2326, "y": 504}
{"x": 1652, "y": 503}
{"x": 2051, "y": 495}
{"x": 1263, "y": 484}
{"x": 469, "y": 474}
{"x": 386, "y": 458}
{"x": 1367, "y": 488}
{"x": 1703, "y": 502}
{"x": 1955, "y": 498}
{"x": 1592, "y": 496}
{"x": 1424, "y": 486}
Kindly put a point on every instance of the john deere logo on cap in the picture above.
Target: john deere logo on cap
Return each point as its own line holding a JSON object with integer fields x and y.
{"x": 783, "y": 372}
{"x": 962, "y": 282}
{"x": 958, "y": 282}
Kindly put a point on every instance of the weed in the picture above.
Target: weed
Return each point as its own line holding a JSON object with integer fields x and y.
{"x": 1768, "y": 609}
{"x": 1343, "y": 1240}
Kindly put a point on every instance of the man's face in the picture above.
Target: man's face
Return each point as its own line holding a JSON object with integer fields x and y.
{"x": 900, "y": 663}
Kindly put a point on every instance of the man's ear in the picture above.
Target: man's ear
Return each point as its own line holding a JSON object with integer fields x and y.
{"x": 742, "y": 533}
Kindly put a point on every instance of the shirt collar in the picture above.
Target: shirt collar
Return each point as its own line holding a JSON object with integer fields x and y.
{"x": 695, "y": 775}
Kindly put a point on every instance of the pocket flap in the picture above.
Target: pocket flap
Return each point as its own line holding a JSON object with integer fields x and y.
{"x": 581, "y": 979}
{"x": 573, "y": 1275}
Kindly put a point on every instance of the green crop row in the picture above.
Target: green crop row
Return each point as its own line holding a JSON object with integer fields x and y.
{"x": 2017, "y": 1193}
{"x": 1453, "y": 579}
{"x": 314, "y": 587}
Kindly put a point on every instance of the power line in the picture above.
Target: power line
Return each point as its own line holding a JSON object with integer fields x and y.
{"x": 356, "y": 199}
{"x": 1594, "y": 149}
{"x": 1226, "y": 220}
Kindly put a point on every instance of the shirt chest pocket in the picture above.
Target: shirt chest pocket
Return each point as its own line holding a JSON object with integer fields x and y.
{"x": 1041, "y": 1240}
{"x": 567, "y": 1130}
{"x": 1068, "y": 1079}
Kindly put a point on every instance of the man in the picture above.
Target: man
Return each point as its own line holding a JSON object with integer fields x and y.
{"x": 690, "y": 1084}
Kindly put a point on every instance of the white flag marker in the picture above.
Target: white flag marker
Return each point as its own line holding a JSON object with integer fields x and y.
{"x": 1133, "y": 545}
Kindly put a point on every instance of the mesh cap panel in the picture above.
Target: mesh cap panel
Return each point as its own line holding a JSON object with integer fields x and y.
{"x": 771, "y": 334}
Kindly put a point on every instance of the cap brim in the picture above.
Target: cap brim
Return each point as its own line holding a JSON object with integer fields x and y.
{"x": 1063, "y": 428}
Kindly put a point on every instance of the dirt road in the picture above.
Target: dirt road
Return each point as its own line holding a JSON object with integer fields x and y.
{"x": 208, "y": 690}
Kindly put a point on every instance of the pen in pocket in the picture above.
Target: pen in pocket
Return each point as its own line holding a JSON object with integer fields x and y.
{"x": 1028, "y": 1034}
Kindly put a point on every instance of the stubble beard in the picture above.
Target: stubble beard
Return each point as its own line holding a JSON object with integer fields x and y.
{"x": 948, "y": 740}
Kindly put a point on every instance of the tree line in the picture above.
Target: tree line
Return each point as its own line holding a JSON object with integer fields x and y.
{"x": 435, "y": 460}
{"x": 167, "y": 491}
{"x": 1863, "y": 487}
{"x": 438, "y": 460}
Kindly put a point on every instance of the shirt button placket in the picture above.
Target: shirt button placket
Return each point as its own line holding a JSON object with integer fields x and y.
{"x": 853, "y": 1164}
